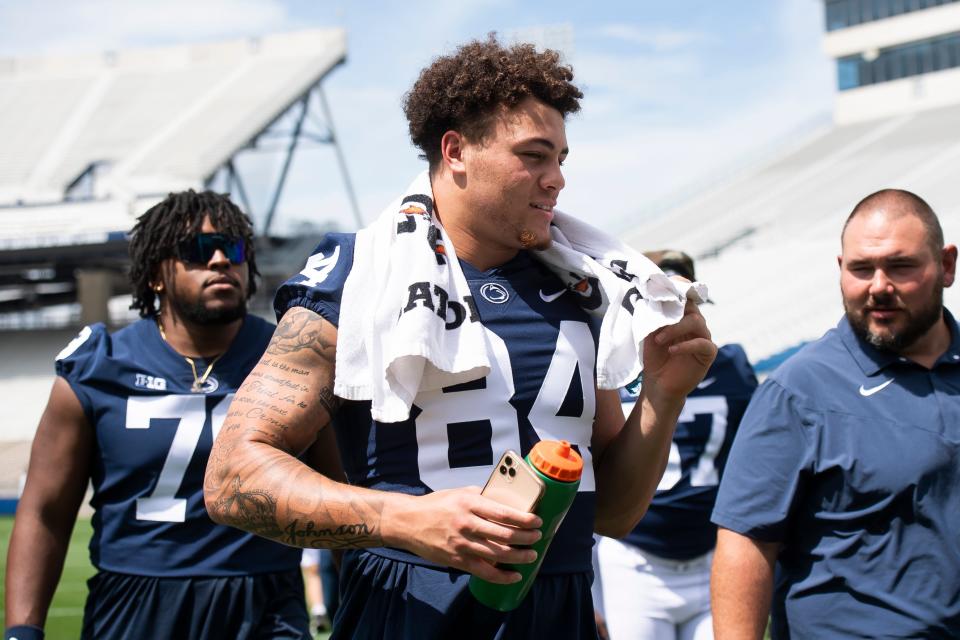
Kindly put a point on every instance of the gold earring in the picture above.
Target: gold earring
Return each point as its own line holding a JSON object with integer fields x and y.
{"x": 158, "y": 288}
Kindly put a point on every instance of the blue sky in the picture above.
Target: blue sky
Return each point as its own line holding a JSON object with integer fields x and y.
{"x": 677, "y": 92}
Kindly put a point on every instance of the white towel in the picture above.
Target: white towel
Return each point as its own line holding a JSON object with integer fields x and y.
{"x": 407, "y": 322}
{"x": 387, "y": 352}
{"x": 619, "y": 285}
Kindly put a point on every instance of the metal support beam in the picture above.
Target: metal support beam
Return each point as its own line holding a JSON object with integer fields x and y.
{"x": 233, "y": 179}
{"x": 294, "y": 139}
{"x": 340, "y": 160}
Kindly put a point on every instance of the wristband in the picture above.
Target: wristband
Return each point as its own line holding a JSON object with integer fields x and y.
{"x": 23, "y": 632}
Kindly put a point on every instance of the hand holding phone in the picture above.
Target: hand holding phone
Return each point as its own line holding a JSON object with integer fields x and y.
{"x": 513, "y": 483}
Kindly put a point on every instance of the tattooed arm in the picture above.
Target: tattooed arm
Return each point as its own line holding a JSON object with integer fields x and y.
{"x": 255, "y": 482}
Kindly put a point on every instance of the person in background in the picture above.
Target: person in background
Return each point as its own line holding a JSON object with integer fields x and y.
{"x": 136, "y": 412}
{"x": 656, "y": 579}
{"x": 846, "y": 470}
{"x": 322, "y": 589}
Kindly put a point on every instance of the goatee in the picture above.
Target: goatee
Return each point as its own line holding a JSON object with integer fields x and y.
{"x": 198, "y": 313}
{"x": 919, "y": 321}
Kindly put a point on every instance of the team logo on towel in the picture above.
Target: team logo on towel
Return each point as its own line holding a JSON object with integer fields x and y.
{"x": 418, "y": 205}
{"x": 495, "y": 293}
{"x": 589, "y": 291}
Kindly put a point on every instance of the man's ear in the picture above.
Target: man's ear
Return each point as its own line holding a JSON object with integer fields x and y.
{"x": 452, "y": 147}
{"x": 949, "y": 262}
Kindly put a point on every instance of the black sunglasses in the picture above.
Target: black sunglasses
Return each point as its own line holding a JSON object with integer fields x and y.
{"x": 201, "y": 247}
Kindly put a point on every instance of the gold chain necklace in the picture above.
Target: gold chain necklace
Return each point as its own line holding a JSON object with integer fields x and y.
{"x": 198, "y": 381}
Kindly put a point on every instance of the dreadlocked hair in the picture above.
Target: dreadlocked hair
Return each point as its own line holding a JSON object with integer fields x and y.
{"x": 179, "y": 216}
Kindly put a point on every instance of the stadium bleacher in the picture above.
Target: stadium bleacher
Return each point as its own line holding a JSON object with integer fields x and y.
{"x": 766, "y": 241}
{"x": 159, "y": 118}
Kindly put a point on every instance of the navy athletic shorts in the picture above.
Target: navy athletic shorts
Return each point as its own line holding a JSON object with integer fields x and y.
{"x": 262, "y": 606}
{"x": 384, "y": 598}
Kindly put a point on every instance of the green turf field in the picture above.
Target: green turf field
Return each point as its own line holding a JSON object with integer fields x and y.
{"x": 66, "y": 612}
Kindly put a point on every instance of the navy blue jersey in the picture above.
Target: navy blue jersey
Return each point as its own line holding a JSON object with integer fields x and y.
{"x": 542, "y": 352}
{"x": 677, "y": 524}
{"x": 153, "y": 438}
{"x": 850, "y": 457}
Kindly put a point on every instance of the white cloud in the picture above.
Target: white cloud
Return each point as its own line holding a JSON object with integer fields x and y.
{"x": 656, "y": 38}
{"x": 66, "y": 26}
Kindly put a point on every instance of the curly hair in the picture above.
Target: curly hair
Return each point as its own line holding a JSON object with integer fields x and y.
{"x": 157, "y": 233}
{"x": 461, "y": 91}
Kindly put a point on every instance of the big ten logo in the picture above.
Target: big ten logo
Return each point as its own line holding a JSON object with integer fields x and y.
{"x": 155, "y": 383}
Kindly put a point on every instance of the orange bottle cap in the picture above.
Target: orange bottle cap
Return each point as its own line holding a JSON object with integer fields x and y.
{"x": 557, "y": 460}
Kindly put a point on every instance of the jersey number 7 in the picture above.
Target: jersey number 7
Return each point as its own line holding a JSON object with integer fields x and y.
{"x": 161, "y": 504}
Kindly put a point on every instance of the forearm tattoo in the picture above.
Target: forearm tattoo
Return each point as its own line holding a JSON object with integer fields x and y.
{"x": 256, "y": 481}
{"x": 301, "y": 329}
{"x": 254, "y": 510}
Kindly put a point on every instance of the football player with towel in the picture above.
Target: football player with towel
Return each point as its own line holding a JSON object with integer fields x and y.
{"x": 471, "y": 318}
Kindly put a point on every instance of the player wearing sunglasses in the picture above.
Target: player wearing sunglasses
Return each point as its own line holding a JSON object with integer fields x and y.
{"x": 136, "y": 412}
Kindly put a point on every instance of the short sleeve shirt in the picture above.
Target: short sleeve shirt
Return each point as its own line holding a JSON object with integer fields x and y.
{"x": 850, "y": 457}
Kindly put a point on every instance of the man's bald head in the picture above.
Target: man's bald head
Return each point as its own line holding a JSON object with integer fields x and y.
{"x": 898, "y": 202}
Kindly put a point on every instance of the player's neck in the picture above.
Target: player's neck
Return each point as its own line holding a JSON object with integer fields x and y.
{"x": 195, "y": 340}
{"x": 930, "y": 346}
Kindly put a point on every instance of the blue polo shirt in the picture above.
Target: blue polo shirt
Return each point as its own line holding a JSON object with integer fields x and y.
{"x": 850, "y": 457}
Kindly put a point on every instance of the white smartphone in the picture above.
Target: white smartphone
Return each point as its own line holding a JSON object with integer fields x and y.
{"x": 513, "y": 483}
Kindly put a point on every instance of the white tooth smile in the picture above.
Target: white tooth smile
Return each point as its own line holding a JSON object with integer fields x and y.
{"x": 542, "y": 207}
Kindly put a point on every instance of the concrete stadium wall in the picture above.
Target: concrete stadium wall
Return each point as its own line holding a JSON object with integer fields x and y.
{"x": 26, "y": 374}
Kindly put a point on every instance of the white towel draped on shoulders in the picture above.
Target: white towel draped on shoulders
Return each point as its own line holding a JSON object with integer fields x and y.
{"x": 388, "y": 349}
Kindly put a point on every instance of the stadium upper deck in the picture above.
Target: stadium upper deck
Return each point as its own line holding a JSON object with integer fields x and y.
{"x": 767, "y": 240}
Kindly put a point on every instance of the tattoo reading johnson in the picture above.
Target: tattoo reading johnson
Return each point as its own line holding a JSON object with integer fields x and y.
{"x": 309, "y": 535}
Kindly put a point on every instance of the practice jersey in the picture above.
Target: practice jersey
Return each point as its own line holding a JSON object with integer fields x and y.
{"x": 677, "y": 524}
{"x": 153, "y": 438}
{"x": 542, "y": 352}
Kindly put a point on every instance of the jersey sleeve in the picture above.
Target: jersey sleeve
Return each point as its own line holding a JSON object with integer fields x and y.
{"x": 741, "y": 364}
{"x": 767, "y": 465}
{"x": 77, "y": 361}
{"x": 319, "y": 285}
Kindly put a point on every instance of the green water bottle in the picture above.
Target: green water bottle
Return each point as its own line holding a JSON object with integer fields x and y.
{"x": 560, "y": 467}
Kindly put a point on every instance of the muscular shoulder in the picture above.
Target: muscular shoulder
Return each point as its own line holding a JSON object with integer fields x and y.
{"x": 82, "y": 354}
{"x": 319, "y": 285}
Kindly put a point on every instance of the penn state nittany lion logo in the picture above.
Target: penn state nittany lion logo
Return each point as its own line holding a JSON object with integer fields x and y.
{"x": 495, "y": 293}
{"x": 209, "y": 385}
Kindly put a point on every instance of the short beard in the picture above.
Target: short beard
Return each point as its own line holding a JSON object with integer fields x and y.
{"x": 920, "y": 321}
{"x": 197, "y": 313}
{"x": 528, "y": 240}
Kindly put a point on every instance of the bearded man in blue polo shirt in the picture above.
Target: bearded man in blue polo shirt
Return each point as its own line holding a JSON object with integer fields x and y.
{"x": 846, "y": 468}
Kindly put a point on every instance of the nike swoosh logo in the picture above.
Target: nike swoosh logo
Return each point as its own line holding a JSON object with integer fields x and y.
{"x": 706, "y": 383}
{"x": 866, "y": 393}
{"x": 551, "y": 296}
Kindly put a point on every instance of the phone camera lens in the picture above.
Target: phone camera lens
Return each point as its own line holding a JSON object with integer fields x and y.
{"x": 512, "y": 472}
{"x": 503, "y": 469}
{"x": 509, "y": 461}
